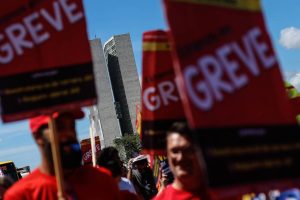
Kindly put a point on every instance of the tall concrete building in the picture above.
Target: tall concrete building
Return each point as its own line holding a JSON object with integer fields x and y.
{"x": 103, "y": 117}
{"x": 124, "y": 80}
{"x": 118, "y": 88}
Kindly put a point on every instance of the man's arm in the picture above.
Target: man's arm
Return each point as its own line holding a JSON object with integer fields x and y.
{"x": 129, "y": 173}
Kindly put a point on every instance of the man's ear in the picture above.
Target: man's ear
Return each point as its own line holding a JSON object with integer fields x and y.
{"x": 40, "y": 138}
{"x": 40, "y": 141}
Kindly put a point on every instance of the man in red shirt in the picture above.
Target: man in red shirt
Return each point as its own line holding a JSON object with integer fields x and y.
{"x": 81, "y": 182}
{"x": 184, "y": 162}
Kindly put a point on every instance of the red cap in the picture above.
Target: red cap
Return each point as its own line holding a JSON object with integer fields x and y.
{"x": 36, "y": 122}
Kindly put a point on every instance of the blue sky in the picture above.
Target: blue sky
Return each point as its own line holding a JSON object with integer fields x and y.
{"x": 280, "y": 15}
{"x": 107, "y": 18}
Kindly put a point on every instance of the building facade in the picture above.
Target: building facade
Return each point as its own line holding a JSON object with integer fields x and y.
{"x": 103, "y": 117}
{"x": 124, "y": 80}
{"x": 118, "y": 89}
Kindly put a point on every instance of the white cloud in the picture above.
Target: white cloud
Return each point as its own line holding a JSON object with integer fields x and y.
{"x": 290, "y": 38}
{"x": 294, "y": 79}
{"x": 288, "y": 75}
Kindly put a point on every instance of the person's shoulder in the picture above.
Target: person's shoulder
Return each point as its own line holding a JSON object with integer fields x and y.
{"x": 97, "y": 183}
{"x": 125, "y": 180}
{"x": 125, "y": 184}
{"x": 95, "y": 171}
{"x": 31, "y": 178}
{"x": 19, "y": 189}
{"x": 96, "y": 176}
{"x": 165, "y": 194}
{"x": 172, "y": 193}
{"x": 104, "y": 170}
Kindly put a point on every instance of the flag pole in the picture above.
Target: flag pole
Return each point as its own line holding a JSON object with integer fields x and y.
{"x": 93, "y": 144}
{"x": 56, "y": 159}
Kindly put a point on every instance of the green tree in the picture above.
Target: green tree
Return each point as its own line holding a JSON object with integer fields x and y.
{"x": 128, "y": 146}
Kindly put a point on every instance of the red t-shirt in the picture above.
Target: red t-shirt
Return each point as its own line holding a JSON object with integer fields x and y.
{"x": 85, "y": 183}
{"x": 126, "y": 195}
{"x": 171, "y": 193}
{"x": 104, "y": 170}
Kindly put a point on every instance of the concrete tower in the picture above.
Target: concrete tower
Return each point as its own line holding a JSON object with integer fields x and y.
{"x": 103, "y": 115}
{"x": 124, "y": 80}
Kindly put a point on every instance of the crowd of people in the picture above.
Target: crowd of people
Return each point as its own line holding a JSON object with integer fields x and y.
{"x": 108, "y": 180}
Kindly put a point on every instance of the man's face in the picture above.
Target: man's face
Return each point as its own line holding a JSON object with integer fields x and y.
{"x": 141, "y": 166}
{"x": 69, "y": 147}
{"x": 65, "y": 128}
{"x": 183, "y": 159}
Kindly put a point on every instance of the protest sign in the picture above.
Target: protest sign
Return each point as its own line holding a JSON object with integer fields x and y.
{"x": 233, "y": 92}
{"x": 227, "y": 64}
{"x": 161, "y": 104}
{"x": 87, "y": 150}
{"x": 45, "y": 58}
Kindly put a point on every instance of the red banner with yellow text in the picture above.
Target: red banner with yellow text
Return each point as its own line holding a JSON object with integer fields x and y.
{"x": 161, "y": 104}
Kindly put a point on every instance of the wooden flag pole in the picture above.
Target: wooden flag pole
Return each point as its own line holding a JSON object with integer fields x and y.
{"x": 56, "y": 160}
{"x": 93, "y": 145}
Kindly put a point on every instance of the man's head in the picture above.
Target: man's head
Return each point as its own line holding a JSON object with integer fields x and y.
{"x": 141, "y": 163}
{"x": 109, "y": 158}
{"x": 5, "y": 183}
{"x": 183, "y": 156}
{"x": 66, "y": 134}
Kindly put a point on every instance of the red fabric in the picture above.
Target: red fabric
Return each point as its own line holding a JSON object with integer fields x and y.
{"x": 104, "y": 170}
{"x": 36, "y": 122}
{"x": 126, "y": 195}
{"x": 161, "y": 102}
{"x": 63, "y": 47}
{"x": 87, "y": 182}
{"x": 55, "y": 37}
{"x": 164, "y": 102}
{"x": 171, "y": 193}
{"x": 260, "y": 99}
{"x": 296, "y": 105}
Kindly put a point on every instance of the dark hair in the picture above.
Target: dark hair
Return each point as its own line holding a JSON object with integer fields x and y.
{"x": 6, "y": 182}
{"x": 109, "y": 158}
{"x": 141, "y": 162}
{"x": 40, "y": 131}
{"x": 107, "y": 154}
{"x": 181, "y": 128}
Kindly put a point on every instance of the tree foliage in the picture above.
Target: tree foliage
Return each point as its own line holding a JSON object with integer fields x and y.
{"x": 128, "y": 146}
